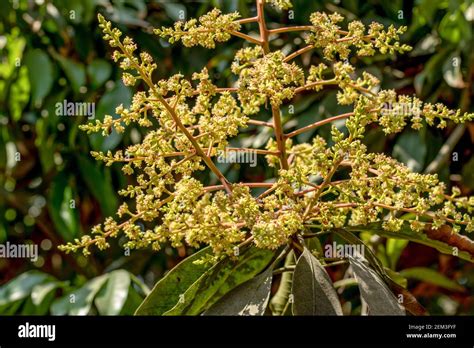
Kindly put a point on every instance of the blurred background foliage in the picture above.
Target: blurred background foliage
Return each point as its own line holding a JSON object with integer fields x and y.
{"x": 52, "y": 191}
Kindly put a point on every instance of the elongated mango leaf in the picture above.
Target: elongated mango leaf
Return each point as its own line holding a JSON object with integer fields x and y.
{"x": 368, "y": 253}
{"x": 20, "y": 287}
{"x": 134, "y": 299}
{"x": 42, "y": 296}
{"x": 40, "y": 291}
{"x": 249, "y": 298}
{"x": 208, "y": 288}
{"x": 313, "y": 290}
{"x": 112, "y": 297}
{"x": 79, "y": 302}
{"x": 418, "y": 237}
{"x": 409, "y": 301}
{"x": 431, "y": 276}
{"x": 166, "y": 292}
{"x": 374, "y": 291}
{"x": 243, "y": 272}
{"x": 11, "y": 308}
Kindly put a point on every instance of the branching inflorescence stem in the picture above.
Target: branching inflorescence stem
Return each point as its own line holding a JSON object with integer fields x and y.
{"x": 278, "y": 215}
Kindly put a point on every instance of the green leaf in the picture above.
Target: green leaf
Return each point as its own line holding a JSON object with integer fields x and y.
{"x": 63, "y": 213}
{"x": 10, "y": 55}
{"x": 368, "y": 253}
{"x": 99, "y": 183}
{"x": 212, "y": 285}
{"x": 453, "y": 27}
{"x": 431, "y": 276}
{"x": 45, "y": 144}
{"x": 165, "y": 293}
{"x": 11, "y": 308}
{"x": 396, "y": 284}
{"x": 249, "y": 298}
{"x": 40, "y": 291}
{"x": 79, "y": 301}
{"x": 133, "y": 301}
{"x": 40, "y": 73}
{"x": 20, "y": 93}
{"x": 394, "y": 248}
{"x": 418, "y": 237}
{"x": 83, "y": 11}
{"x": 243, "y": 272}
{"x": 75, "y": 72}
{"x": 113, "y": 296}
{"x": 396, "y": 278}
{"x": 20, "y": 287}
{"x": 313, "y": 290}
{"x": 374, "y": 291}
{"x": 98, "y": 71}
{"x": 411, "y": 150}
{"x": 41, "y": 297}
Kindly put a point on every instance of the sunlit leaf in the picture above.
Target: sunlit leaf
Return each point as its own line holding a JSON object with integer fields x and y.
{"x": 79, "y": 301}
{"x": 113, "y": 296}
{"x": 249, "y": 298}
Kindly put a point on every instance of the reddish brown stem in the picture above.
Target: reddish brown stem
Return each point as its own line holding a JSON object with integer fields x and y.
{"x": 318, "y": 124}
{"x": 247, "y": 20}
{"x": 293, "y": 28}
{"x": 245, "y": 37}
{"x": 314, "y": 84}
{"x": 260, "y": 123}
{"x": 280, "y": 137}
{"x": 298, "y": 52}
{"x": 262, "y": 26}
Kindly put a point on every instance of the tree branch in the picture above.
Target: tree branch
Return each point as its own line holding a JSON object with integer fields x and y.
{"x": 245, "y": 37}
{"x": 262, "y": 26}
{"x": 297, "y": 53}
{"x": 280, "y": 137}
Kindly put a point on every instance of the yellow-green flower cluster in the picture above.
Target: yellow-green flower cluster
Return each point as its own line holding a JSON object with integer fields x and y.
{"x": 385, "y": 107}
{"x": 327, "y": 34}
{"x": 281, "y": 4}
{"x": 396, "y": 110}
{"x": 210, "y": 28}
{"x": 265, "y": 79}
{"x": 222, "y": 121}
{"x": 377, "y": 184}
{"x": 273, "y": 230}
{"x": 328, "y": 185}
